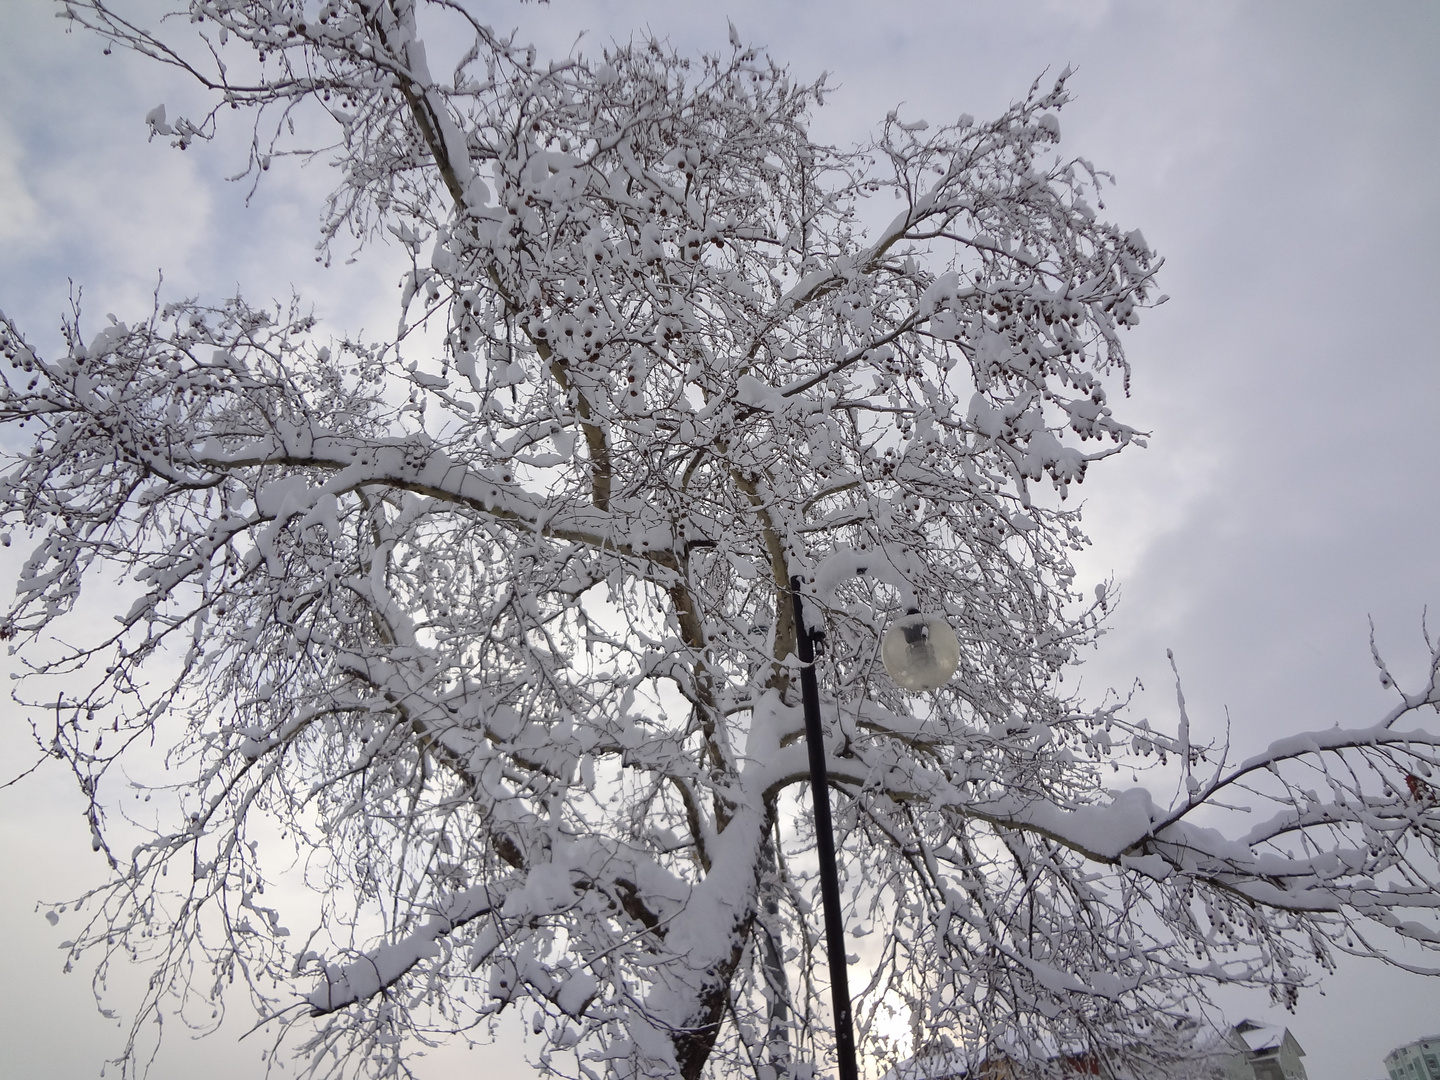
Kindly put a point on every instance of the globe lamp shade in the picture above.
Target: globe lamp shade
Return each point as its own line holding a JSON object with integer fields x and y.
{"x": 920, "y": 651}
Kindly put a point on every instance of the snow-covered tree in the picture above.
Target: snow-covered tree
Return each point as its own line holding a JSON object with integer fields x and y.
{"x": 497, "y": 638}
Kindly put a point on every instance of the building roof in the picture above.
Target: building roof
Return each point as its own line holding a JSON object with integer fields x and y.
{"x": 1424, "y": 1040}
{"x": 1263, "y": 1038}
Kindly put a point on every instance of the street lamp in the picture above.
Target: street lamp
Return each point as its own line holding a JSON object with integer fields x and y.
{"x": 920, "y": 652}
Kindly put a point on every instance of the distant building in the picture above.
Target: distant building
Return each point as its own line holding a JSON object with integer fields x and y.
{"x": 1246, "y": 1051}
{"x": 1419, "y": 1060}
{"x": 1253, "y": 1051}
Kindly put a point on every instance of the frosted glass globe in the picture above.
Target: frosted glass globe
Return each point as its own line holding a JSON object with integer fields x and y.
{"x": 920, "y": 651}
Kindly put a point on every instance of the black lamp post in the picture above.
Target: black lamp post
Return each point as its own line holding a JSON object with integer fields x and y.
{"x": 920, "y": 652}
{"x": 825, "y": 845}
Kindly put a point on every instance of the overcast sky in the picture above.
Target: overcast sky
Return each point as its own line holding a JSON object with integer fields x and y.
{"x": 1282, "y": 156}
